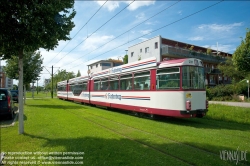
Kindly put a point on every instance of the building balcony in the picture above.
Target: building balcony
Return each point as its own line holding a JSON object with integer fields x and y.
{"x": 207, "y": 69}
{"x": 177, "y": 52}
{"x": 215, "y": 71}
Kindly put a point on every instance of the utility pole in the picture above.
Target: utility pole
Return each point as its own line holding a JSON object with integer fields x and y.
{"x": 52, "y": 74}
{"x": 248, "y": 90}
{"x": 37, "y": 86}
{"x": 52, "y": 83}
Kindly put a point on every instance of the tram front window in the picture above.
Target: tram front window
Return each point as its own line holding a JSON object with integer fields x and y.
{"x": 193, "y": 77}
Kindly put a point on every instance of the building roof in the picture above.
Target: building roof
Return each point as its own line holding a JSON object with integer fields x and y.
{"x": 174, "y": 43}
{"x": 109, "y": 60}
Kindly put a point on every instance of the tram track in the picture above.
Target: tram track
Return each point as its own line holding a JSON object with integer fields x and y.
{"x": 132, "y": 139}
{"x": 217, "y": 126}
{"x": 172, "y": 140}
{"x": 146, "y": 132}
{"x": 159, "y": 136}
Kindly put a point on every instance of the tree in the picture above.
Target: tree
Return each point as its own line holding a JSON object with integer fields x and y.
{"x": 30, "y": 25}
{"x": 15, "y": 87}
{"x": 241, "y": 56}
{"x": 60, "y": 76}
{"x": 78, "y": 74}
{"x": 33, "y": 62}
{"x": 125, "y": 59}
{"x": 230, "y": 70}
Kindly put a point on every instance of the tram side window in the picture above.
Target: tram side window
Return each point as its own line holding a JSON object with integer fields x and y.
{"x": 104, "y": 83}
{"x": 61, "y": 88}
{"x": 168, "y": 78}
{"x": 142, "y": 80}
{"x": 101, "y": 84}
{"x": 97, "y": 84}
{"x": 113, "y": 83}
{"x": 71, "y": 87}
{"x": 126, "y": 82}
{"x": 79, "y": 87}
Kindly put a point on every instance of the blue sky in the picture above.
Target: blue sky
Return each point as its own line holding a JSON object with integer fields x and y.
{"x": 224, "y": 23}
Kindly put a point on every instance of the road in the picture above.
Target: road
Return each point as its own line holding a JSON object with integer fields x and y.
{"x": 238, "y": 104}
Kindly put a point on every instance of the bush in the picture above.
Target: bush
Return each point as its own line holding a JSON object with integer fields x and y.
{"x": 226, "y": 92}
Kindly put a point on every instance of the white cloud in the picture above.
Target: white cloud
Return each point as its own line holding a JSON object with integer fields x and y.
{"x": 219, "y": 27}
{"x": 206, "y": 32}
{"x": 143, "y": 39}
{"x": 145, "y": 32}
{"x": 197, "y": 38}
{"x": 224, "y": 48}
{"x": 137, "y": 4}
{"x": 140, "y": 16}
{"x": 95, "y": 41}
{"x": 110, "y": 5}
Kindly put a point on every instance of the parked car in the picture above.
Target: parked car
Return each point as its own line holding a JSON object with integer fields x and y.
{"x": 14, "y": 96}
{"x": 14, "y": 91}
{"x": 6, "y": 103}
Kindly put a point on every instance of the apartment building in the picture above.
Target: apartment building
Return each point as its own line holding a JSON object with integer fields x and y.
{"x": 163, "y": 49}
{"x": 5, "y": 82}
{"x": 103, "y": 64}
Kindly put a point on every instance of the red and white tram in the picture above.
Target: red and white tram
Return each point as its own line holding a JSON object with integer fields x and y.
{"x": 174, "y": 88}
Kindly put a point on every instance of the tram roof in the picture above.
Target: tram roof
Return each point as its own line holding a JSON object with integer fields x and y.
{"x": 146, "y": 63}
{"x": 181, "y": 62}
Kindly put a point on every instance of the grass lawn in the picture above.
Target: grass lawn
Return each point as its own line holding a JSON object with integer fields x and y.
{"x": 41, "y": 94}
{"x": 116, "y": 138}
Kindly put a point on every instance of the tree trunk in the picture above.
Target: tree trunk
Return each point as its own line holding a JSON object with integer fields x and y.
{"x": 24, "y": 94}
{"x": 20, "y": 96}
{"x": 32, "y": 90}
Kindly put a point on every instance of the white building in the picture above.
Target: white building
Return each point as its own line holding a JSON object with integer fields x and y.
{"x": 145, "y": 49}
{"x": 5, "y": 82}
{"x": 103, "y": 64}
{"x": 163, "y": 48}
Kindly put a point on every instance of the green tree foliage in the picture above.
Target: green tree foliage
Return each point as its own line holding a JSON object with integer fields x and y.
{"x": 15, "y": 87}
{"x": 125, "y": 59}
{"x": 227, "y": 92}
{"x": 241, "y": 56}
{"x": 229, "y": 69}
{"x": 27, "y": 26}
{"x": 78, "y": 74}
{"x": 33, "y": 66}
{"x": 209, "y": 51}
{"x": 30, "y": 25}
{"x": 60, "y": 76}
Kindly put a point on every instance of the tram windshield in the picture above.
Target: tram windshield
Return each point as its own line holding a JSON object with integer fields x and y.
{"x": 193, "y": 77}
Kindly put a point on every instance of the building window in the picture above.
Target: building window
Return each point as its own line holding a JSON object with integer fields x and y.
{"x": 146, "y": 49}
{"x": 96, "y": 65}
{"x": 90, "y": 67}
{"x": 156, "y": 45}
{"x": 140, "y": 50}
{"x": 132, "y": 54}
{"x": 106, "y": 64}
{"x": 117, "y": 64}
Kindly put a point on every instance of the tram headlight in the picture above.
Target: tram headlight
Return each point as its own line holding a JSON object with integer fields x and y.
{"x": 188, "y": 105}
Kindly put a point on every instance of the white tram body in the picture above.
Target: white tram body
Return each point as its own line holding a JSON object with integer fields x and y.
{"x": 174, "y": 88}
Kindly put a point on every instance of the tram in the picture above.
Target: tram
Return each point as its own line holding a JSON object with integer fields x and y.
{"x": 173, "y": 88}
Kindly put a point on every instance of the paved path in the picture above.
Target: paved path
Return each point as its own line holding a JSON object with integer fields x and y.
{"x": 237, "y": 104}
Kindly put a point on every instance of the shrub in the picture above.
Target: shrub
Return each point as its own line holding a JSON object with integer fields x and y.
{"x": 226, "y": 92}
